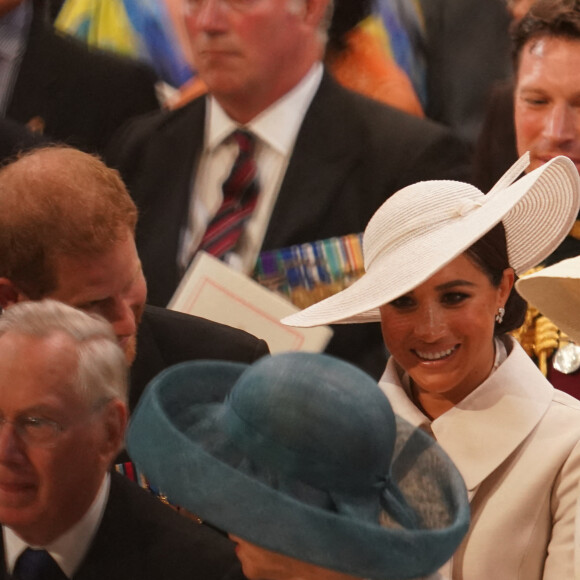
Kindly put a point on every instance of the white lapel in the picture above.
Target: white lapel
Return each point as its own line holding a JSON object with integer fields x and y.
{"x": 488, "y": 425}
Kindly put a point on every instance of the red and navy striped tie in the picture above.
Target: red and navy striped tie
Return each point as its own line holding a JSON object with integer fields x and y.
{"x": 240, "y": 191}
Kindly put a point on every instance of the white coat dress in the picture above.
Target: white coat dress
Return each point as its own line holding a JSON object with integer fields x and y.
{"x": 516, "y": 442}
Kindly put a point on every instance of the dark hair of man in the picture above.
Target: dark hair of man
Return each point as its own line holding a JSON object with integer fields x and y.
{"x": 546, "y": 18}
{"x": 58, "y": 201}
{"x": 490, "y": 254}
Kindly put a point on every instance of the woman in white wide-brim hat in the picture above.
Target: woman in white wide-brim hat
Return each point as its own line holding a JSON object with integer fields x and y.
{"x": 441, "y": 259}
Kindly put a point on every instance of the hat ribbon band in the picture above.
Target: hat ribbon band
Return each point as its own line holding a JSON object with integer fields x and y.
{"x": 394, "y": 503}
{"x": 428, "y": 224}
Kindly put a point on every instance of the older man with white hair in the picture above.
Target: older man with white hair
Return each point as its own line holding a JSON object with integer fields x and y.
{"x": 63, "y": 412}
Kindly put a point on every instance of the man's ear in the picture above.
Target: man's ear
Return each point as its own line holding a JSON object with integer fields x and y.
{"x": 9, "y": 293}
{"x": 115, "y": 416}
{"x": 315, "y": 11}
{"x": 310, "y": 11}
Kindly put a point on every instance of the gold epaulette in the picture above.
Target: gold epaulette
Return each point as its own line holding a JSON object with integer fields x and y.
{"x": 538, "y": 335}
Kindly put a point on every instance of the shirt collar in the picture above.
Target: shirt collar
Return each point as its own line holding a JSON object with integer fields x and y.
{"x": 69, "y": 549}
{"x": 278, "y": 125}
{"x": 14, "y": 30}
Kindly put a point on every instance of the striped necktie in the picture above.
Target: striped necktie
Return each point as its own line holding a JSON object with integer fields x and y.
{"x": 240, "y": 191}
{"x": 37, "y": 565}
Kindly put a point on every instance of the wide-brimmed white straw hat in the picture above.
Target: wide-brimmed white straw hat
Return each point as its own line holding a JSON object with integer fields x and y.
{"x": 555, "y": 292}
{"x": 424, "y": 226}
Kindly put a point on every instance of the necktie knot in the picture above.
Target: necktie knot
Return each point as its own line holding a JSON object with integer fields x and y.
{"x": 245, "y": 141}
{"x": 37, "y": 565}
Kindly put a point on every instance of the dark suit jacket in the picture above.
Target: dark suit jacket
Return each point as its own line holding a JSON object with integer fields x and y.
{"x": 467, "y": 50}
{"x": 81, "y": 95}
{"x": 496, "y": 149}
{"x": 140, "y": 538}
{"x": 351, "y": 154}
{"x": 166, "y": 338}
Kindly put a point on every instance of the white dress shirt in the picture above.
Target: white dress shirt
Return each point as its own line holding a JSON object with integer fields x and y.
{"x": 275, "y": 130}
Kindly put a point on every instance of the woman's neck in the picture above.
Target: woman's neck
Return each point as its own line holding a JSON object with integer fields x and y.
{"x": 434, "y": 404}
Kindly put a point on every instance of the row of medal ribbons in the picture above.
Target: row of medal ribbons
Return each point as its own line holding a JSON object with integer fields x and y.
{"x": 307, "y": 273}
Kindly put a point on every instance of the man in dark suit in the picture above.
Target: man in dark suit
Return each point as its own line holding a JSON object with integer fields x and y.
{"x": 67, "y": 232}
{"x": 327, "y": 158}
{"x": 63, "y": 409}
{"x": 70, "y": 93}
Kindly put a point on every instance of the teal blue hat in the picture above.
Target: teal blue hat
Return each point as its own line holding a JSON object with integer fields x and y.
{"x": 301, "y": 454}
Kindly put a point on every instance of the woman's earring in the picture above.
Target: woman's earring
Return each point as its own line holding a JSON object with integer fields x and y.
{"x": 500, "y": 314}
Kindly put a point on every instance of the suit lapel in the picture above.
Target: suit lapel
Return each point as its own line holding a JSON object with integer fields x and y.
{"x": 167, "y": 196}
{"x": 115, "y": 551}
{"x": 513, "y": 409}
{"x": 323, "y": 155}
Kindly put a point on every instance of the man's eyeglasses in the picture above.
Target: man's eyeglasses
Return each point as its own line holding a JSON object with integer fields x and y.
{"x": 40, "y": 431}
{"x": 35, "y": 431}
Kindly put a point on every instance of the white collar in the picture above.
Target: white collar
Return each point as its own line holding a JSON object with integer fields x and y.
{"x": 492, "y": 420}
{"x": 278, "y": 125}
{"x": 69, "y": 549}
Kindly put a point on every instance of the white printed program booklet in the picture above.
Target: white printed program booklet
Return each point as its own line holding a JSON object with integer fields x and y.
{"x": 216, "y": 291}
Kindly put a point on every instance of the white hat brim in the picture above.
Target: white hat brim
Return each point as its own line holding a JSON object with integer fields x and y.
{"x": 555, "y": 292}
{"x": 537, "y": 211}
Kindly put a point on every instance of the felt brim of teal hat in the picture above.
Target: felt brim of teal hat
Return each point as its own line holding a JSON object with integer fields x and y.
{"x": 176, "y": 438}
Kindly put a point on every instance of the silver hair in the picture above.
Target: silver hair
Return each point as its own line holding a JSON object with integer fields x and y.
{"x": 327, "y": 20}
{"x": 102, "y": 371}
{"x": 295, "y": 6}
